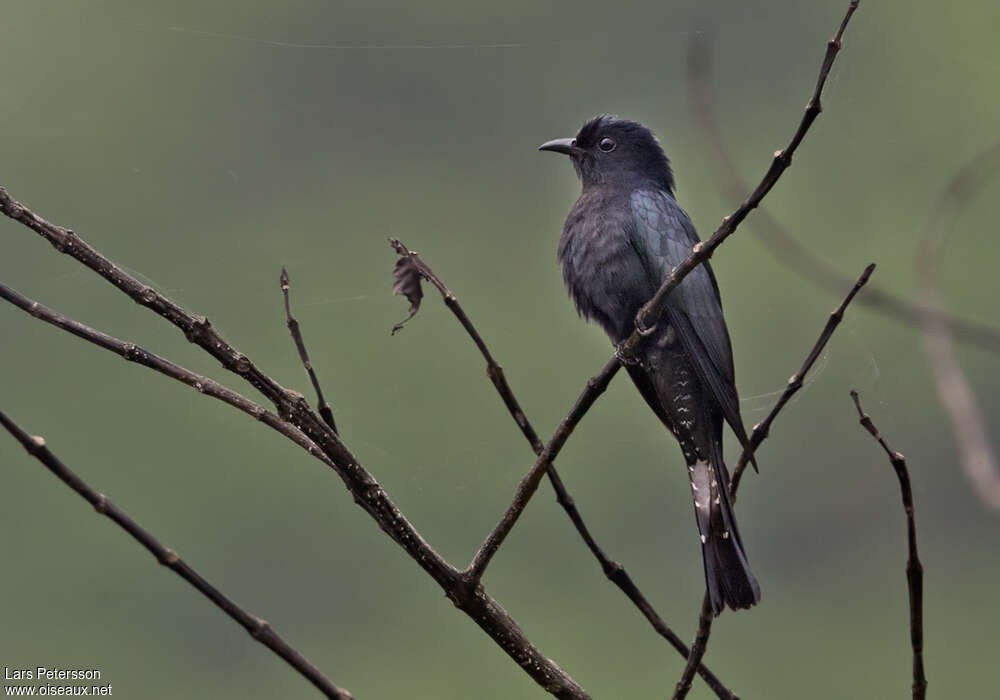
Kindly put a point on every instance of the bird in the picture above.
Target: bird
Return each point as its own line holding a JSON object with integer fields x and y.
{"x": 623, "y": 236}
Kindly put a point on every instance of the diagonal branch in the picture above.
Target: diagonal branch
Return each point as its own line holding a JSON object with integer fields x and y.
{"x": 596, "y": 386}
{"x": 784, "y": 247}
{"x": 653, "y": 309}
{"x": 259, "y": 629}
{"x": 613, "y": 570}
{"x": 293, "y": 326}
{"x": 914, "y": 569}
{"x": 698, "y": 648}
{"x": 469, "y": 596}
{"x": 760, "y": 433}
{"x": 763, "y": 429}
{"x": 134, "y": 353}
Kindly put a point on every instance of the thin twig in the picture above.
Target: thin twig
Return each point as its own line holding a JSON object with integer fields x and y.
{"x": 979, "y": 461}
{"x": 259, "y": 629}
{"x": 613, "y": 570}
{"x": 914, "y": 569}
{"x": 141, "y": 356}
{"x": 469, "y": 596}
{"x": 762, "y": 429}
{"x": 760, "y": 433}
{"x": 784, "y": 246}
{"x": 653, "y": 309}
{"x": 595, "y": 387}
{"x": 698, "y": 648}
{"x": 293, "y": 326}
{"x": 493, "y": 369}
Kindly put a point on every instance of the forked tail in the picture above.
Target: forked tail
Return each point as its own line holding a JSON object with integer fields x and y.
{"x": 727, "y": 573}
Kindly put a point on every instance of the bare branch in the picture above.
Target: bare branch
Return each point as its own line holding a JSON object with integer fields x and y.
{"x": 293, "y": 326}
{"x": 613, "y": 570}
{"x": 595, "y": 387}
{"x": 762, "y": 429}
{"x": 979, "y": 461}
{"x": 412, "y": 261}
{"x": 698, "y": 648}
{"x": 141, "y": 356}
{"x": 469, "y": 596}
{"x": 783, "y": 246}
{"x": 259, "y": 629}
{"x": 914, "y": 569}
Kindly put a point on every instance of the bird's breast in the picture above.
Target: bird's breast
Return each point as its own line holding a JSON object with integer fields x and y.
{"x": 603, "y": 273}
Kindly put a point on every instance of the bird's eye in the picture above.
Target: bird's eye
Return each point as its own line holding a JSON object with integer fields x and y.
{"x": 607, "y": 145}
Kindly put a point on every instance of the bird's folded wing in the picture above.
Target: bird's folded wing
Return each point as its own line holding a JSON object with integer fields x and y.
{"x": 663, "y": 237}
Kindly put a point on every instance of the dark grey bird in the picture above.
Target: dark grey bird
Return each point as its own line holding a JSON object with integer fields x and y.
{"x": 620, "y": 241}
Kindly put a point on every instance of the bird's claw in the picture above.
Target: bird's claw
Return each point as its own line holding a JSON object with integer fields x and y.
{"x": 641, "y": 328}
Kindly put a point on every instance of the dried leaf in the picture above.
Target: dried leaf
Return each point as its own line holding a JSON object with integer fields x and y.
{"x": 406, "y": 281}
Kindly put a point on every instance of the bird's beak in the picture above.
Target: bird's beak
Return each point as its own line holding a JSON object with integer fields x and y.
{"x": 565, "y": 146}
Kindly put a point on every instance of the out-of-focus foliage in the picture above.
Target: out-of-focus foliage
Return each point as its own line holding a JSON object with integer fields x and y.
{"x": 204, "y": 145}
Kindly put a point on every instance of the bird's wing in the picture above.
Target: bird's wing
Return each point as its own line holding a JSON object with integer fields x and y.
{"x": 663, "y": 236}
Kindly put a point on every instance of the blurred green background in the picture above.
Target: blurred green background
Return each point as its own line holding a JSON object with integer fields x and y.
{"x": 204, "y": 145}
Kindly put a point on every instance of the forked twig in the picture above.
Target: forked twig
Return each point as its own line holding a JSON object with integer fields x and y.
{"x": 141, "y": 356}
{"x": 613, "y": 570}
{"x": 914, "y": 569}
{"x": 293, "y": 326}
{"x": 259, "y": 629}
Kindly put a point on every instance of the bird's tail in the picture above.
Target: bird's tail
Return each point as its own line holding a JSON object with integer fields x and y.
{"x": 727, "y": 573}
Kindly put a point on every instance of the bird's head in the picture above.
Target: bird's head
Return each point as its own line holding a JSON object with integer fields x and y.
{"x": 612, "y": 150}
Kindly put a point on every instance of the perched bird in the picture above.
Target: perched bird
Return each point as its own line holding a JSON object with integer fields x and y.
{"x": 620, "y": 241}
